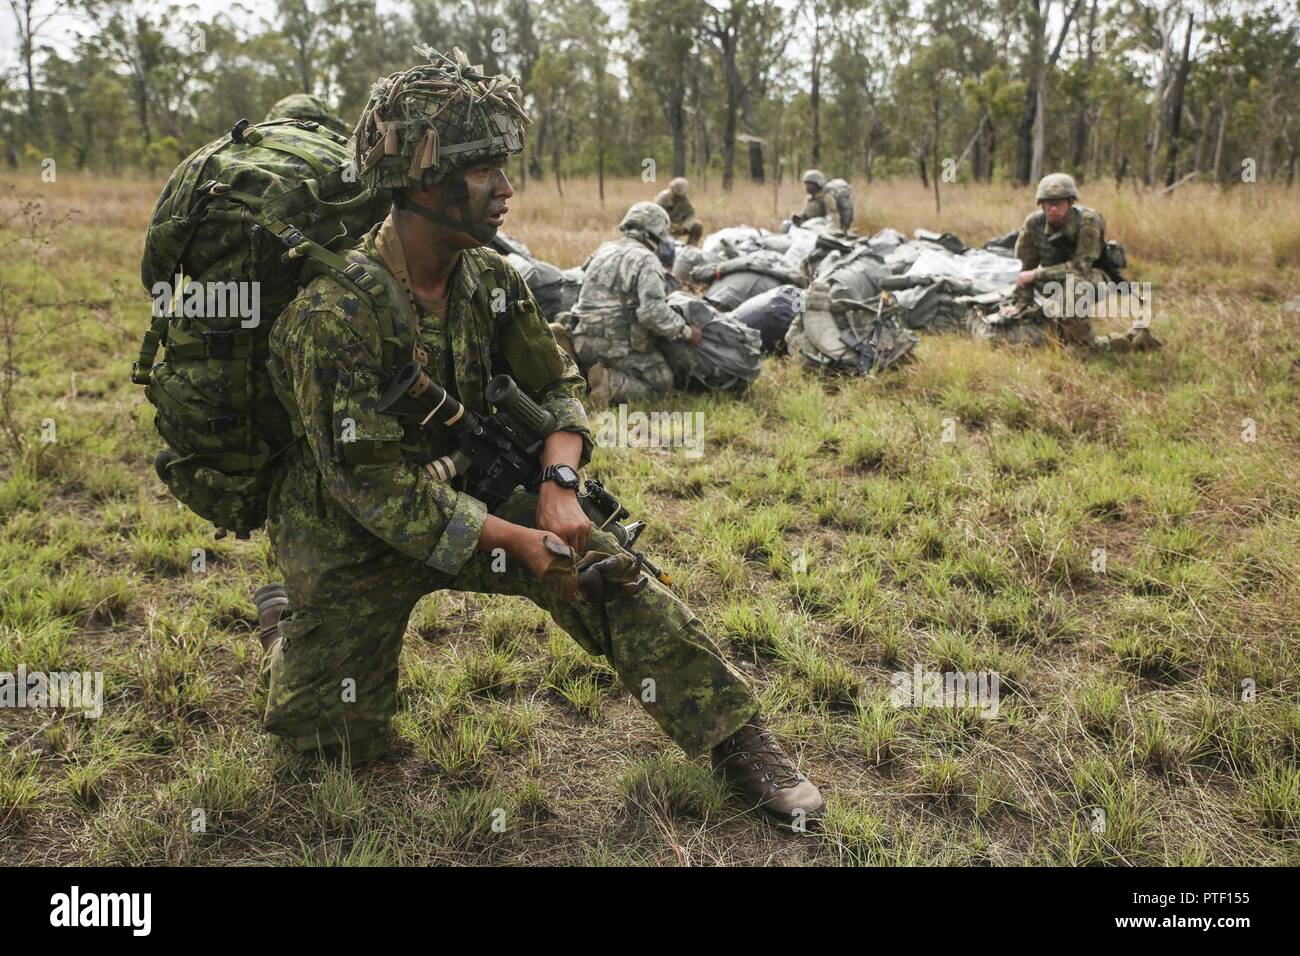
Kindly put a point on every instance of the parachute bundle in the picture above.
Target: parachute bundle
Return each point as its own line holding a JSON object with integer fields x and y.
{"x": 728, "y": 357}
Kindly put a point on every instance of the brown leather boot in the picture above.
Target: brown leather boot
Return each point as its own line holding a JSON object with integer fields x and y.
{"x": 1141, "y": 340}
{"x": 271, "y": 601}
{"x": 754, "y": 764}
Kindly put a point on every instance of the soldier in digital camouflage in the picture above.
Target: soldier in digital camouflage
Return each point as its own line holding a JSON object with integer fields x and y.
{"x": 307, "y": 107}
{"x": 681, "y": 214}
{"x": 1061, "y": 247}
{"x": 362, "y": 526}
{"x": 822, "y": 202}
{"x": 622, "y": 312}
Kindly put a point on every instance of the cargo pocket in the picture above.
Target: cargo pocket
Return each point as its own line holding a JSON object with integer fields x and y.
{"x": 363, "y": 435}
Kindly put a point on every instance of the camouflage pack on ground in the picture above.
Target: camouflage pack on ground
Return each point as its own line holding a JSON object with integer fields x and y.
{"x": 846, "y": 336}
{"x": 224, "y": 254}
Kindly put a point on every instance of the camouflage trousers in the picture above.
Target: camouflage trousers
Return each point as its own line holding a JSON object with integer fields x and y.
{"x": 691, "y": 230}
{"x": 1031, "y": 327}
{"x": 332, "y": 674}
{"x": 634, "y": 377}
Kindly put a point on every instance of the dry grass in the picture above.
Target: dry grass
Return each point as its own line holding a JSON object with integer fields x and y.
{"x": 1122, "y": 691}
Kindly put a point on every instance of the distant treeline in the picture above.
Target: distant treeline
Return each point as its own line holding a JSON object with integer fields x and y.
{"x": 1149, "y": 90}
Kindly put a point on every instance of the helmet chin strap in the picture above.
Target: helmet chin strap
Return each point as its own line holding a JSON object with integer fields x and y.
{"x": 466, "y": 224}
{"x": 644, "y": 238}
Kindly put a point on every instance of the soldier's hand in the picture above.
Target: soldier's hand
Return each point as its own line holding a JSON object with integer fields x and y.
{"x": 1026, "y": 278}
{"x": 529, "y": 546}
{"x": 558, "y": 512}
{"x": 696, "y": 334}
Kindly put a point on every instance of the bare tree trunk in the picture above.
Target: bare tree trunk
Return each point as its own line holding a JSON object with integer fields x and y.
{"x": 27, "y": 53}
{"x": 555, "y": 161}
{"x": 1025, "y": 133}
{"x": 1176, "y": 107}
{"x": 938, "y": 125}
{"x": 815, "y": 98}
{"x": 1040, "y": 123}
{"x": 1081, "y": 117}
{"x": 729, "y": 141}
{"x": 1034, "y": 63}
{"x": 1218, "y": 142}
{"x": 677, "y": 122}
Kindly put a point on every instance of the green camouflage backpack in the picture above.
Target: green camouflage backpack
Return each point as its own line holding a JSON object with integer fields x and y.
{"x": 224, "y": 254}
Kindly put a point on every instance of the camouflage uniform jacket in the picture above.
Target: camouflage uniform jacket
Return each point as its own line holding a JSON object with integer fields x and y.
{"x": 822, "y": 204}
{"x": 1074, "y": 248}
{"x": 679, "y": 208}
{"x": 623, "y": 300}
{"x": 326, "y": 366}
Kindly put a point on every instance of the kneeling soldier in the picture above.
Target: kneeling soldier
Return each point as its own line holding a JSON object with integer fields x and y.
{"x": 681, "y": 213}
{"x": 1065, "y": 240}
{"x": 364, "y": 523}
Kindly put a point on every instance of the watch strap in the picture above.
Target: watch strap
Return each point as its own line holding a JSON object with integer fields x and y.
{"x": 551, "y": 473}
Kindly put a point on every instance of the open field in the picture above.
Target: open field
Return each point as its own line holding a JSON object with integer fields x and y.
{"x": 1122, "y": 690}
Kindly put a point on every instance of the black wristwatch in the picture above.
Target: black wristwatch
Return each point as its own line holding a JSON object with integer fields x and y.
{"x": 562, "y": 475}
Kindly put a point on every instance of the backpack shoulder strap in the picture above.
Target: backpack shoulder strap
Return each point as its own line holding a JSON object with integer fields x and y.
{"x": 398, "y": 326}
{"x": 496, "y": 297}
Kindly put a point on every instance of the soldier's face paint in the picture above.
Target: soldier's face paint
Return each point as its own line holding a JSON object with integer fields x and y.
{"x": 483, "y": 207}
{"x": 470, "y": 203}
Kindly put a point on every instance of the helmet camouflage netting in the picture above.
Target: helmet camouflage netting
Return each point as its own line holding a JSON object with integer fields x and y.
{"x": 424, "y": 122}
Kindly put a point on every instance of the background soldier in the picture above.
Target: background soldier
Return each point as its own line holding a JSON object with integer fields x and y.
{"x": 681, "y": 214}
{"x": 623, "y": 308}
{"x": 1065, "y": 239}
{"x": 361, "y": 525}
{"x": 825, "y": 202}
{"x": 305, "y": 106}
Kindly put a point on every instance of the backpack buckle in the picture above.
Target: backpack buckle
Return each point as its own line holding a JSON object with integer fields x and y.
{"x": 221, "y": 344}
{"x": 358, "y": 274}
{"x": 222, "y": 423}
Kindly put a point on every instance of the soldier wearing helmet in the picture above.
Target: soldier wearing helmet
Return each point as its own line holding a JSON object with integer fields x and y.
{"x": 308, "y": 108}
{"x": 622, "y": 311}
{"x": 1064, "y": 239}
{"x": 825, "y": 202}
{"x": 681, "y": 213}
{"x": 364, "y": 522}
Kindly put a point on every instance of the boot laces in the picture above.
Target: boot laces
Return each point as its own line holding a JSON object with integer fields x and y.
{"x": 756, "y": 745}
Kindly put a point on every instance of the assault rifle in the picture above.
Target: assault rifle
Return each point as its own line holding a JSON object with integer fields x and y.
{"x": 499, "y": 452}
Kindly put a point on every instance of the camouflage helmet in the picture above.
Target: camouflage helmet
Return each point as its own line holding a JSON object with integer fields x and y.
{"x": 678, "y": 186}
{"x": 1056, "y": 186}
{"x": 422, "y": 123}
{"x": 647, "y": 220}
{"x": 816, "y": 177}
{"x": 307, "y": 107}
